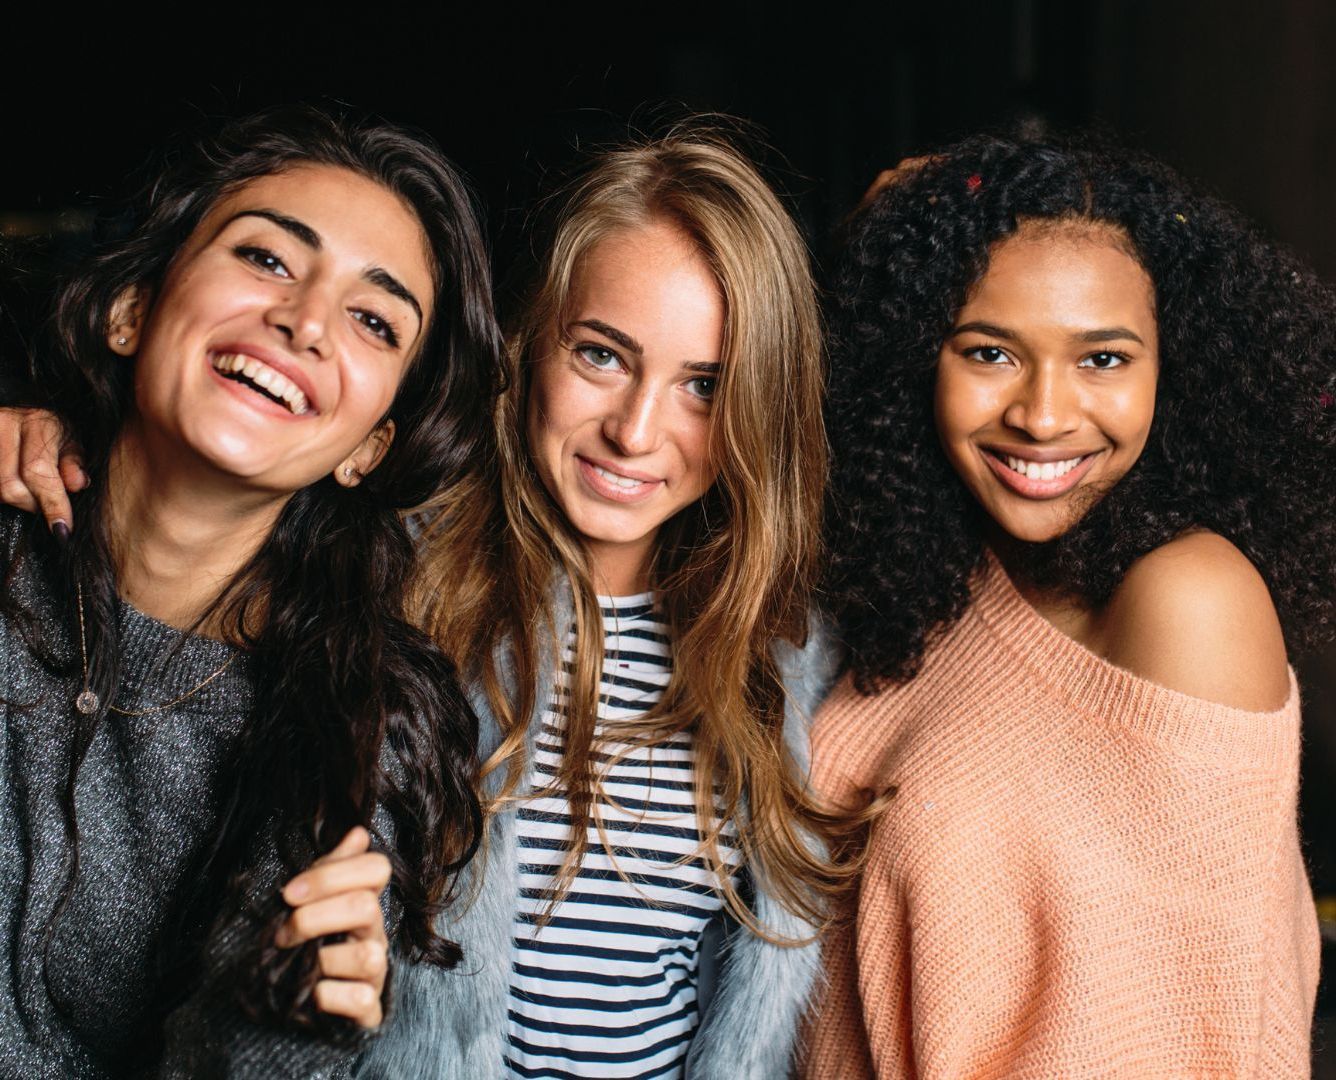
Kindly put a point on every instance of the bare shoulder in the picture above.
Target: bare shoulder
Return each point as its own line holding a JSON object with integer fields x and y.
{"x": 1195, "y": 615}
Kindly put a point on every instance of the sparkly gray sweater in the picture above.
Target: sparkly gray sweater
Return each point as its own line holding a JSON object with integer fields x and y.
{"x": 85, "y": 1004}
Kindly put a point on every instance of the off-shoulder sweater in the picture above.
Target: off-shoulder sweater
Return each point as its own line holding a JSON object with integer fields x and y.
{"x": 1080, "y": 874}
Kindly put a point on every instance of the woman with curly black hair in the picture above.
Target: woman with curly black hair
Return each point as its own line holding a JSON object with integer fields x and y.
{"x": 1083, "y": 443}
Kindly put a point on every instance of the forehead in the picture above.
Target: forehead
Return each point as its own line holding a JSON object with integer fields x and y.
{"x": 359, "y": 222}
{"x": 1067, "y": 272}
{"x": 655, "y": 279}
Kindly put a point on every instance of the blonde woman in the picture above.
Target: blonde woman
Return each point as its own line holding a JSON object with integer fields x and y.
{"x": 632, "y": 613}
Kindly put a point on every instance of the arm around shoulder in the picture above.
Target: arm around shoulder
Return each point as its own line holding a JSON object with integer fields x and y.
{"x": 1195, "y": 616}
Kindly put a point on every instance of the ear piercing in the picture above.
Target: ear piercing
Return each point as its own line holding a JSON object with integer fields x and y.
{"x": 347, "y": 472}
{"x": 122, "y": 341}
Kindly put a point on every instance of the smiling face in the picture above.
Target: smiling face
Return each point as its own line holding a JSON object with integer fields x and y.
{"x": 280, "y": 333}
{"x": 1046, "y": 386}
{"x": 620, "y": 398}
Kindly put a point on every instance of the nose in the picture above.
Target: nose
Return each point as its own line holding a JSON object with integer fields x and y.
{"x": 1046, "y": 404}
{"x": 633, "y": 424}
{"x": 303, "y": 315}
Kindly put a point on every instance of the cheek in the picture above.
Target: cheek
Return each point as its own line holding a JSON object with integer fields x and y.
{"x": 960, "y": 407}
{"x": 1129, "y": 413}
{"x": 560, "y": 403}
{"x": 369, "y": 388}
{"x": 698, "y": 451}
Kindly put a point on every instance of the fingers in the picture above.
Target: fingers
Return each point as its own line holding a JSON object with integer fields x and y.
{"x": 370, "y": 870}
{"x": 907, "y": 167}
{"x": 355, "y": 1000}
{"x": 360, "y": 961}
{"x": 71, "y": 469}
{"x": 354, "y": 913}
{"x": 32, "y": 472}
{"x": 13, "y": 490}
{"x": 39, "y": 467}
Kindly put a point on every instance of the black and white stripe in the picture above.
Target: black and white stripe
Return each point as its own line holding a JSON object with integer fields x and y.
{"x": 607, "y": 987}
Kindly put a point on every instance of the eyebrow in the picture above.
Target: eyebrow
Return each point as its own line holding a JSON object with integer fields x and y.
{"x": 375, "y": 275}
{"x": 625, "y": 340}
{"x": 385, "y": 280}
{"x": 299, "y": 229}
{"x": 1109, "y": 333}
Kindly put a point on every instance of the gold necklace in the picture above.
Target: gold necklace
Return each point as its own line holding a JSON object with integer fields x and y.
{"x": 87, "y": 701}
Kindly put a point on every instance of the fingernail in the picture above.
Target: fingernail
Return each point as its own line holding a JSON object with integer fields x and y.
{"x": 296, "y": 890}
{"x": 61, "y": 532}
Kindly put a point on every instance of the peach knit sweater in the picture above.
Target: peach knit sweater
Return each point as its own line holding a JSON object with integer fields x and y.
{"x": 1082, "y": 874}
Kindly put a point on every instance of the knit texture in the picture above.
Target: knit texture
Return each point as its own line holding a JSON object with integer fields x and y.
{"x": 87, "y": 1003}
{"x": 1081, "y": 874}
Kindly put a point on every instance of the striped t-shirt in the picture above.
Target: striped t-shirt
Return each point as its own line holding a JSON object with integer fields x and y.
{"x": 607, "y": 987}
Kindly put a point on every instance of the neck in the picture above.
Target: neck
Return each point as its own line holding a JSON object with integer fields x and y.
{"x": 619, "y": 569}
{"x": 1023, "y": 562}
{"x": 180, "y": 531}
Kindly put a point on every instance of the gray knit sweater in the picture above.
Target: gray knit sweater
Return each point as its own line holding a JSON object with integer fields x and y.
{"x": 84, "y": 1004}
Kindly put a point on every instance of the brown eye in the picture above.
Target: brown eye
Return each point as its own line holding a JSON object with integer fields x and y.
{"x": 1103, "y": 361}
{"x": 264, "y": 259}
{"x": 987, "y": 354}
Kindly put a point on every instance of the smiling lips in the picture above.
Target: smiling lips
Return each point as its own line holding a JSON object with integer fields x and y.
{"x": 263, "y": 379}
{"x": 1039, "y": 479}
{"x": 616, "y": 486}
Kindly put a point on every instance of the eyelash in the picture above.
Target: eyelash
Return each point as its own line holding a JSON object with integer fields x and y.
{"x": 256, "y": 256}
{"x": 1122, "y": 358}
{"x": 387, "y": 333}
{"x": 711, "y": 380}
{"x": 263, "y": 257}
{"x": 583, "y": 352}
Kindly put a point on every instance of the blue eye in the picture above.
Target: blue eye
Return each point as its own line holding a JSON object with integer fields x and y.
{"x": 1103, "y": 361}
{"x": 596, "y": 356}
{"x": 703, "y": 387}
{"x": 264, "y": 259}
{"x": 378, "y": 325}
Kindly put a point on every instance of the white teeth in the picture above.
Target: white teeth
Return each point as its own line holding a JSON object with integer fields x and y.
{"x": 262, "y": 375}
{"x": 1048, "y": 470}
{"x": 621, "y": 481}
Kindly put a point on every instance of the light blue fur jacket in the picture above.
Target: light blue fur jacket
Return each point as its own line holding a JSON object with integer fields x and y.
{"x": 451, "y": 1025}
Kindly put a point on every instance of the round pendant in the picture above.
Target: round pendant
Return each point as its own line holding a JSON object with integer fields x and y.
{"x": 86, "y": 702}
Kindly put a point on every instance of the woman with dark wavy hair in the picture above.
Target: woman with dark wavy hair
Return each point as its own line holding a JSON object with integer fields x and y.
{"x": 1083, "y": 433}
{"x": 212, "y": 681}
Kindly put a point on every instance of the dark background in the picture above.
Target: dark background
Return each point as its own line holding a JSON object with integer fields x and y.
{"x": 1240, "y": 95}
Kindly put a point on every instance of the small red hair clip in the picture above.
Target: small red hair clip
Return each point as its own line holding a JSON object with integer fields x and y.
{"x": 974, "y": 183}
{"x": 1326, "y": 400}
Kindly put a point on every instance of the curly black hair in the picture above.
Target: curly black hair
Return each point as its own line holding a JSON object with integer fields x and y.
{"x": 1243, "y": 441}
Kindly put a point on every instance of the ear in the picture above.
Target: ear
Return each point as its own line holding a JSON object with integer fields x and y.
{"x": 356, "y": 466}
{"x": 127, "y": 321}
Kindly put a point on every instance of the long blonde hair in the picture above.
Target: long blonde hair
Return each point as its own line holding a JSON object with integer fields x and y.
{"x": 732, "y": 574}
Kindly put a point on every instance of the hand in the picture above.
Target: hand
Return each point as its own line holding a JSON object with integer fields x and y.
{"x": 340, "y": 894}
{"x": 38, "y": 465}
{"x": 887, "y": 177}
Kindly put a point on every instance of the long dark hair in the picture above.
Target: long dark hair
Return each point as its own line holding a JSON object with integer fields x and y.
{"x": 1243, "y": 442}
{"x": 341, "y": 677}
